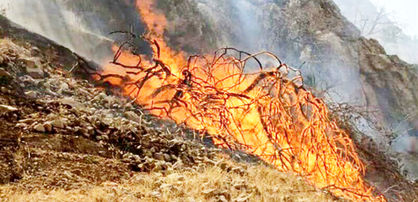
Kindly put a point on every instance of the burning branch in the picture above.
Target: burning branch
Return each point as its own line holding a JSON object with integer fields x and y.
{"x": 263, "y": 113}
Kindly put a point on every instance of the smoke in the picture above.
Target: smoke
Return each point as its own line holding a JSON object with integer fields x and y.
{"x": 52, "y": 20}
{"x": 247, "y": 18}
{"x": 238, "y": 22}
{"x": 84, "y": 26}
{"x": 257, "y": 25}
{"x": 378, "y": 23}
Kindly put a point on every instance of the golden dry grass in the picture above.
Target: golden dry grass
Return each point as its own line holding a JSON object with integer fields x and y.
{"x": 209, "y": 183}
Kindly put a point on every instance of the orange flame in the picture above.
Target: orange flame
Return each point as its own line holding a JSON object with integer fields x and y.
{"x": 264, "y": 113}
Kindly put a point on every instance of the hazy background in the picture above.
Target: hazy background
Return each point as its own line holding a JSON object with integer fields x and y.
{"x": 393, "y": 23}
{"x": 403, "y": 13}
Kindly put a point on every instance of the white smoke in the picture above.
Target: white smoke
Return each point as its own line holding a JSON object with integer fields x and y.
{"x": 392, "y": 23}
{"x": 54, "y": 21}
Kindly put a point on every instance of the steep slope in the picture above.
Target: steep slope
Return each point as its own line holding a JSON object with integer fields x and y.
{"x": 63, "y": 139}
{"x": 308, "y": 34}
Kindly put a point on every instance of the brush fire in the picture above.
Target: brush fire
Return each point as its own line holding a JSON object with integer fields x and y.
{"x": 266, "y": 113}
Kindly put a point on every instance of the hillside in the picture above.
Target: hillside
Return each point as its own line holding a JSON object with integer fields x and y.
{"x": 63, "y": 139}
{"x": 53, "y": 112}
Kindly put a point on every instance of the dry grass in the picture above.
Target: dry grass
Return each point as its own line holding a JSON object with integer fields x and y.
{"x": 209, "y": 183}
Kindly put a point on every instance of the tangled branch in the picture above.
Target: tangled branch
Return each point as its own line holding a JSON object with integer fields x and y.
{"x": 265, "y": 113}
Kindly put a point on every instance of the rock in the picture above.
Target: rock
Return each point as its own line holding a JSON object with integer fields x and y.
{"x": 128, "y": 106}
{"x": 140, "y": 166}
{"x": 167, "y": 158}
{"x": 58, "y": 123}
{"x": 148, "y": 153}
{"x": 35, "y": 51}
{"x": 85, "y": 134}
{"x": 29, "y": 63}
{"x": 132, "y": 116}
{"x": 7, "y": 108}
{"x": 83, "y": 92}
{"x": 159, "y": 156}
{"x": 137, "y": 158}
{"x": 71, "y": 102}
{"x": 90, "y": 130}
{"x": 47, "y": 126}
{"x": 3, "y": 89}
{"x": 63, "y": 87}
{"x": 31, "y": 94}
{"x": 33, "y": 68}
{"x": 28, "y": 80}
{"x": 104, "y": 137}
{"x": 21, "y": 125}
{"x": 4, "y": 73}
{"x": 36, "y": 73}
{"x": 26, "y": 121}
{"x": 39, "y": 128}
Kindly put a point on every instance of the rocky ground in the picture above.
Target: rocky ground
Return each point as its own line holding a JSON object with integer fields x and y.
{"x": 63, "y": 139}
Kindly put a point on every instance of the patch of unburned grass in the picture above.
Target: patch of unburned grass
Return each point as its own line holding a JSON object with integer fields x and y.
{"x": 208, "y": 183}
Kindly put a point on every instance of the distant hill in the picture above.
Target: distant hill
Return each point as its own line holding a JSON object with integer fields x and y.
{"x": 374, "y": 22}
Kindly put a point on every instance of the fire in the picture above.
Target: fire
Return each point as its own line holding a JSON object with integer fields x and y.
{"x": 263, "y": 113}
